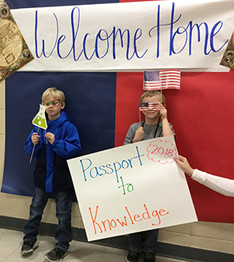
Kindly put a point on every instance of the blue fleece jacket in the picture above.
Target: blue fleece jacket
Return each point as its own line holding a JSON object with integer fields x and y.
{"x": 51, "y": 171}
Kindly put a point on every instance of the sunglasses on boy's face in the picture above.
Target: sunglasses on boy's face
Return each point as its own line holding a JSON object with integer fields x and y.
{"x": 52, "y": 103}
{"x": 157, "y": 106}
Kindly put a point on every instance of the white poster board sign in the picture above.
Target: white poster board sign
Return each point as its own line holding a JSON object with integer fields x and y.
{"x": 131, "y": 188}
{"x": 184, "y": 35}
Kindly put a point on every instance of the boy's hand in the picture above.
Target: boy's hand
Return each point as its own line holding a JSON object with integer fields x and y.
{"x": 184, "y": 165}
{"x": 35, "y": 138}
{"x": 50, "y": 137}
{"x": 139, "y": 135}
{"x": 163, "y": 113}
{"x": 167, "y": 131}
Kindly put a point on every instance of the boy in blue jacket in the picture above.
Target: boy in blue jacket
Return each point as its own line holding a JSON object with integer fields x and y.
{"x": 51, "y": 175}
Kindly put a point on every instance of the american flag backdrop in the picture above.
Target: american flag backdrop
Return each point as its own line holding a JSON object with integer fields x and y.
{"x": 161, "y": 79}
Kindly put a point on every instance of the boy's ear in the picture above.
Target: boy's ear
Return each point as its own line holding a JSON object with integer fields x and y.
{"x": 63, "y": 105}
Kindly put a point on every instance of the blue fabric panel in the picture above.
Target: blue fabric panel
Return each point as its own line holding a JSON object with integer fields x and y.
{"x": 90, "y": 105}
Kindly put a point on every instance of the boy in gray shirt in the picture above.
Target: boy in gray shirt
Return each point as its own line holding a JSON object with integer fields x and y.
{"x": 152, "y": 104}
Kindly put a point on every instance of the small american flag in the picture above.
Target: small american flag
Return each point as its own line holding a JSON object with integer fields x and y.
{"x": 161, "y": 79}
{"x": 152, "y": 106}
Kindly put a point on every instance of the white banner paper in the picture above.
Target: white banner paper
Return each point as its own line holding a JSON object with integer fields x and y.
{"x": 131, "y": 188}
{"x": 187, "y": 35}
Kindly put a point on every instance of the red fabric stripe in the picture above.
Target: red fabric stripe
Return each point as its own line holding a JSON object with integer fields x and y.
{"x": 202, "y": 116}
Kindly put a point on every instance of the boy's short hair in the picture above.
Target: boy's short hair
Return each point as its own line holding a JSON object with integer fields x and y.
{"x": 150, "y": 93}
{"x": 56, "y": 93}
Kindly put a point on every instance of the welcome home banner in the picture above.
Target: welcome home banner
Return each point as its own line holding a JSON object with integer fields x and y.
{"x": 131, "y": 188}
{"x": 187, "y": 35}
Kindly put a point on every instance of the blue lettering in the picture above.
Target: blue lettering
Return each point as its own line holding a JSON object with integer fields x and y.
{"x": 103, "y": 169}
{"x": 171, "y": 49}
{"x": 114, "y": 39}
{"x": 116, "y": 169}
{"x": 94, "y": 171}
{"x": 137, "y": 35}
{"x": 75, "y": 30}
{"x": 191, "y": 35}
{"x": 84, "y": 169}
{"x": 127, "y": 164}
{"x": 84, "y": 48}
{"x": 137, "y": 157}
{"x": 187, "y": 33}
{"x": 158, "y": 27}
{"x": 213, "y": 33}
{"x": 107, "y": 43}
{"x": 101, "y": 44}
{"x": 43, "y": 41}
{"x": 111, "y": 169}
{"x": 99, "y": 37}
{"x": 60, "y": 40}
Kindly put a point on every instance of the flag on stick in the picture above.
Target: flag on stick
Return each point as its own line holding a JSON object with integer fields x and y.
{"x": 153, "y": 106}
{"x": 161, "y": 79}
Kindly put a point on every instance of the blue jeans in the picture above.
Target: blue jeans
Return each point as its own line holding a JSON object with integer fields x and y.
{"x": 63, "y": 213}
{"x": 143, "y": 241}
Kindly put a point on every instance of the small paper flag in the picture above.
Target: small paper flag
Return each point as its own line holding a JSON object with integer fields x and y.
{"x": 161, "y": 79}
{"x": 40, "y": 118}
{"x": 152, "y": 106}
